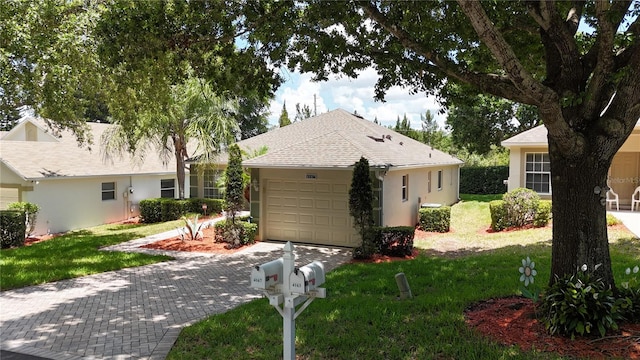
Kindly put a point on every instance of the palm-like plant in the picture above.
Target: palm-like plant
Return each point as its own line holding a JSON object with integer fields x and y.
{"x": 193, "y": 114}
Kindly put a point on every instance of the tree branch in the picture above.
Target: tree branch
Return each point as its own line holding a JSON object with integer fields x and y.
{"x": 625, "y": 106}
{"x": 597, "y": 86}
{"x": 496, "y": 85}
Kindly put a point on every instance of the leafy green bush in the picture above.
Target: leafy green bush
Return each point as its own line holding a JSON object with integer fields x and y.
{"x": 173, "y": 209}
{"x": 214, "y": 206}
{"x": 498, "y": 210}
{"x": 579, "y": 304}
{"x": 394, "y": 241}
{"x": 236, "y": 235}
{"x": 31, "y": 214}
{"x": 435, "y": 219}
{"x": 543, "y": 214}
{"x": 521, "y": 206}
{"x": 518, "y": 208}
{"x": 12, "y": 228}
{"x": 151, "y": 210}
{"x": 629, "y": 297}
{"x": 483, "y": 180}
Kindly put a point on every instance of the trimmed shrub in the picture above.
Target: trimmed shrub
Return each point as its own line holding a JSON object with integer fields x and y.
{"x": 173, "y": 209}
{"x": 214, "y": 206}
{"x": 483, "y": 180}
{"x": 435, "y": 219}
{"x": 236, "y": 235}
{"x": 12, "y": 228}
{"x": 498, "y": 211}
{"x": 521, "y": 204}
{"x": 543, "y": 214}
{"x": 31, "y": 214}
{"x": 150, "y": 211}
{"x": 394, "y": 241}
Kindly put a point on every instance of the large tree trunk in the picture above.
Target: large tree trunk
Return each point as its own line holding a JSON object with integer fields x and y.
{"x": 579, "y": 214}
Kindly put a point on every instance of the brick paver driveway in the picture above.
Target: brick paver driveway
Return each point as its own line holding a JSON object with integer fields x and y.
{"x": 135, "y": 313}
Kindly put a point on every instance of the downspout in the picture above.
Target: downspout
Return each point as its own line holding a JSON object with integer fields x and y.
{"x": 380, "y": 174}
{"x": 458, "y": 190}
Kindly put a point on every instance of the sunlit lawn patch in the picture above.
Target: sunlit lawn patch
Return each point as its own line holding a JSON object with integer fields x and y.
{"x": 76, "y": 254}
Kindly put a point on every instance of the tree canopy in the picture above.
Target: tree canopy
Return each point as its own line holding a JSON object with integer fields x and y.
{"x": 586, "y": 86}
{"x": 61, "y": 57}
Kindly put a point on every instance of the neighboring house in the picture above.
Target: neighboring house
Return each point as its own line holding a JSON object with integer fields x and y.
{"x": 529, "y": 164}
{"x": 300, "y": 187}
{"x": 76, "y": 187}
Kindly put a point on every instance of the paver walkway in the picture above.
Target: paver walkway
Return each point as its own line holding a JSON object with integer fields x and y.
{"x": 136, "y": 313}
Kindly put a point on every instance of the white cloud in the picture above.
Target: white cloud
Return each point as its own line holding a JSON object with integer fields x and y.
{"x": 354, "y": 94}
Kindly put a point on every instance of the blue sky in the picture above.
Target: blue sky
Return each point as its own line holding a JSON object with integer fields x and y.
{"x": 351, "y": 94}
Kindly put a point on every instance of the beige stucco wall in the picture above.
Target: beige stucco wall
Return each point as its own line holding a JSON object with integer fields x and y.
{"x": 633, "y": 142}
{"x": 517, "y": 161}
{"x": 397, "y": 212}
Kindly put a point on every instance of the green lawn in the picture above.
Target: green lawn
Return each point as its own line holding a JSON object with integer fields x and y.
{"x": 361, "y": 317}
{"x": 76, "y": 254}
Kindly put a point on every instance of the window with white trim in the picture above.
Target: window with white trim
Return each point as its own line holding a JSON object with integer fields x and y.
{"x": 168, "y": 188}
{"x": 429, "y": 182}
{"x": 209, "y": 188}
{"x": 538, "y": 172}
{"x": 108, "y": 191}
{"x": 405, "y": 187}
{"x": 439, "y": 180}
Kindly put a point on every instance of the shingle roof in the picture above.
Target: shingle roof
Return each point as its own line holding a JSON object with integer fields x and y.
{"x": 338, "y": 139}
{"x": 534, "y": 137}
{"x": 64, "y": 158}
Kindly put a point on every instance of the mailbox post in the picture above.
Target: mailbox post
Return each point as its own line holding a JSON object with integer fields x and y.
{"x": 283, "y": 283}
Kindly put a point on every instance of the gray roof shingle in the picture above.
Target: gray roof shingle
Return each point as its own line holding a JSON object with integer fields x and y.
{"x": 337, "y": 139}
{"x": 64, "y": 158}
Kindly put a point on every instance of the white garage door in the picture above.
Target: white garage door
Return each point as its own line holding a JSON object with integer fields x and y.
{"x": 309, "y": 211}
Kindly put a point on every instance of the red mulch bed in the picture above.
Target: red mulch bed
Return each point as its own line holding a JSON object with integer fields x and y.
{"x": 512, "y": 321}
{"x": 206, "y": 245}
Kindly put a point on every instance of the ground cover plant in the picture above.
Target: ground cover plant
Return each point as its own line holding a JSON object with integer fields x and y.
{"x": 362, "y": 318}
{"x": 76, "y": 254}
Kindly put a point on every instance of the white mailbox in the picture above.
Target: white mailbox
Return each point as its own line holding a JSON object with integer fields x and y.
{"x": 267, "y": 275}
{"x": 307, "y": 278}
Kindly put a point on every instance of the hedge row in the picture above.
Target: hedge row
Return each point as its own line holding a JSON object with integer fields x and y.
{"x": 12, "y": 228}
{"x": 163, "y": 209}
{"x": 483, "y": 180}
{"x": 435, "y": 219}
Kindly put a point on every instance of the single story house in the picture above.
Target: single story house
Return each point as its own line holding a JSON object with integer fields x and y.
{"x": 76, "y": 187}
{"x": 300, "y": 186}
{"x": 529, "y": 164}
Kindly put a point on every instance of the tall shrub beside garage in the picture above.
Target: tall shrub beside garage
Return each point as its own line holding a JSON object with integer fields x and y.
{"x": 234, "y": 194}
{"x": 361, "y": 208}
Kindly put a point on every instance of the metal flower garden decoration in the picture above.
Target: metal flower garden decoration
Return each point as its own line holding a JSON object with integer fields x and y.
{"x": 527, "y": 276}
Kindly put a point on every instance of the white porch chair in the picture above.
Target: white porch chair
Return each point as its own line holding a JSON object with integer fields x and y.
{"x": 635, "y": 199}
{"x": 612, "y": 197}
